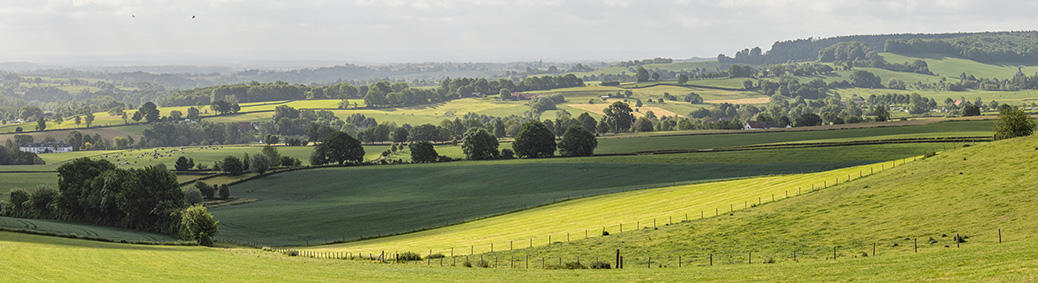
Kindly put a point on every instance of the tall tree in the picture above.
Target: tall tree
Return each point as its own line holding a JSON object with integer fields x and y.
{"x": 41, "y": 124}
{"x": 89, "y": 119}
{"x": 577, "y": 141}
{"x": 534, "y": 140}
{"x": 479, "y": 144}
{"x": 150, "y": 111}
{"x": 620, "y": 115}
{"x": 340, "y": 147}
{"x": 642, "y": 75}
{"x": 423, "y": 152}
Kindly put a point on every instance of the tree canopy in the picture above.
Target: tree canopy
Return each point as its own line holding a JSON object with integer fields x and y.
{"x": 534, "y": 140}
{"x": 338, "y": 147}
{"x": 1012, "y": 123}
{"x": 479, "y": 144}
{"x": 577, "y": 141}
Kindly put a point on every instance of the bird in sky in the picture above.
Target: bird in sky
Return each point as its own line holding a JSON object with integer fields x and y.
{"x": 192, "y": 16}
{"x": 134, "y": 16}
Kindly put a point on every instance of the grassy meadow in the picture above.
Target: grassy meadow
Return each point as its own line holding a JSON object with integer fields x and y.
{"x": 975, "y": 192}
{"x": 32, "y": 258}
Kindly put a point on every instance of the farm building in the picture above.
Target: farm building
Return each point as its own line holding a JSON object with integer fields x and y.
{"x": 761, "y": 125}
{"x": 46, "y": 147}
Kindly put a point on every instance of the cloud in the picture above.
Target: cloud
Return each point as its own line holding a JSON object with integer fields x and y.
{"x": 431, "y": 30}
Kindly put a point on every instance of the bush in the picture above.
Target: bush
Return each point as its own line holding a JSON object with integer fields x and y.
{"x": 507, "y": 154}
{"x": 605, "y": 233}
{"x": 436, "y": 255}
{"x": 482, "y": 263}
{"x": 409, "y": 256}
{"x": 599, "y": 265}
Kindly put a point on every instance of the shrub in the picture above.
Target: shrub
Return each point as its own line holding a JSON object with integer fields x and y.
{"x": 605, "y": 233}
{"x": 769, "y": 260}
{"x": 436, "y": 255}
{"x": 482, "y": 263}
{"x": 409, "y": 256}
{"x": 574, "y": 265}
{"x": 292, "y": 253}
{"x": 507, "y": 153}
{"x": 599, "y": 265}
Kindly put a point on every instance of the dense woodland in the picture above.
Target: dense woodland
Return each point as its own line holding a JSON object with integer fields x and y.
{"x": 984, "y": 47}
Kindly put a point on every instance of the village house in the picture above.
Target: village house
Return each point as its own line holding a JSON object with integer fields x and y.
{"x": 46, "y": 147}
{"x": 762, "y": 125}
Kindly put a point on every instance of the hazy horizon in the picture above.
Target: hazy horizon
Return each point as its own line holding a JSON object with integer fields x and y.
{"x": 227, "y": 32}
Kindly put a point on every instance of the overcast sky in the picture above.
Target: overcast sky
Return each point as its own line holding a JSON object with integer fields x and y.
{"x": 163, "y": 32}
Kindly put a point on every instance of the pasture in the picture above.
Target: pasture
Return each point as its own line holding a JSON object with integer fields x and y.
{"x": 32, "y": 258}
{"x": 588, "y": 217}
{"x": 980, "y": 128}
{"x": 981, "y": 192}
{"x": 368, "y": 201}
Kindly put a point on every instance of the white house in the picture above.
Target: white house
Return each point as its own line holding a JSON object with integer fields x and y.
{"x": 46, "y": 147}
{"x": 761, "y": 125}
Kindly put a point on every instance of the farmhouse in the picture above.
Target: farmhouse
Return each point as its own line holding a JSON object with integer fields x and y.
{"x": 761, "y": 125}
{"x": 46, "y": 147}
{"x": 523, "y": 95}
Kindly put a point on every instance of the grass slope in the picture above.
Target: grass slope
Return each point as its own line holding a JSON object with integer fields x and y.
{"x": 972, "y": 191}
{"x": 321, "y": 205}
{"x": 37, "y": 258}
{"x": 81, "y": 230}
{"x": 739, "y": 138}
{"x": 594, "y": 214}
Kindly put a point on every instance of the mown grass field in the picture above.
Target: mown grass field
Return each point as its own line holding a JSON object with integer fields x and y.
{"x": 972, "y": 191}
{"x": 36, "y": 258}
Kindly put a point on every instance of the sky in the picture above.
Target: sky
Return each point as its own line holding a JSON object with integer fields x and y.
{"x": 362, "y": 31}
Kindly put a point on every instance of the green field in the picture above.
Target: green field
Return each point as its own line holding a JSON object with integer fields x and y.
{"x": 33, "y": 258}
{"x": 347, "y": 203}
{"x": 741, "y": 138}
{"x": 974, "y": 192}
{"x": 81, "y": 230}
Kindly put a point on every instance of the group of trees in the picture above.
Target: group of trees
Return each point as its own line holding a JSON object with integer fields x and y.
{"x": 95, "y": 191}
{"x": 10, "y": 155}
{"x": 205, "y": 133}
{"x": 534, "y": 140}
{"x": 378, "y": 94}
{"x": 984, "y": 47}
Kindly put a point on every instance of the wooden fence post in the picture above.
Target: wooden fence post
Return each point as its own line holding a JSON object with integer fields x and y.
{"x": 679, "y": 260}
{"x": 618, "y": 258}
{"x": 794, "y": 255}
{"x": 915, "y": 245}
{"x": 650, "y": 262}
{"x": 873, "y": 248}
{"x": 834, "y": 252}
{"x": 999, "y": 235}
{"x": 711, "y": 259}
{"x": 751, "y": 258}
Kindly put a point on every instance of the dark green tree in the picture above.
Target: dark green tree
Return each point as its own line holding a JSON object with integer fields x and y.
{"x": 970, "y": 110}
{"x": 423, "y": 152}
{"x": 588, "y": 122}
{"x": 881, "y": 112}
{"x": 150, "y": 111}
{"x": 232, "y": 165}
{"x": 193, "y": 114}
{"x": 534, "y": 140}
{"x": 619, "y": 114}
{"x": 642, "y": 75}
{"x": 260, "y": 163}
{"x": 577, "y": 141}
{"x": 478, "y": 144}
{"x": 682, "y": 78}
{"x": 182, "y": 164}
{"x": 41, "y": 124}
{"x": 339, "y": 148}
